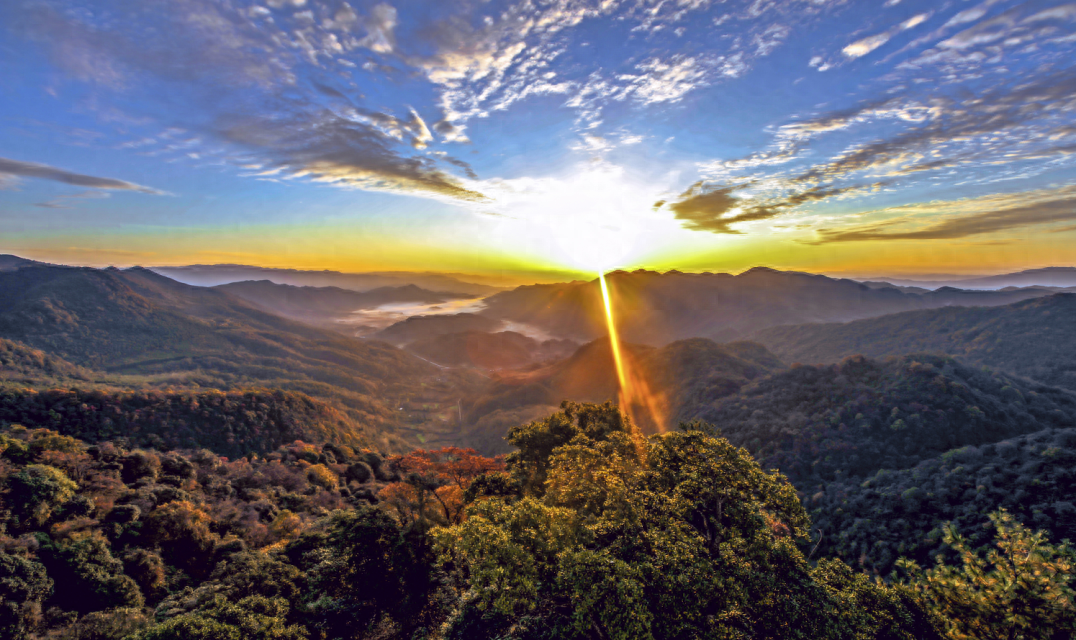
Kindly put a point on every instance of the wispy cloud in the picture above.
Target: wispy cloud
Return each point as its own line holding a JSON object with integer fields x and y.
{"x": 20, "y": 169}
{"x": 963, "y": 218}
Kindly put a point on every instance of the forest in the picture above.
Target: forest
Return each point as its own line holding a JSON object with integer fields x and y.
{"x": 589, "y": 529}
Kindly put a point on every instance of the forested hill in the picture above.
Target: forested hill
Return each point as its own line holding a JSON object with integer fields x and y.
{"x": 19, "y": 362}
{"x": 229, "y": 423}
{"x": 832, "y": 422}
{"x": 898, "y": 513}
{"x": 684, "y": 377}
{"x": 1033, "y": 338}
{"x": 138, "y": 323}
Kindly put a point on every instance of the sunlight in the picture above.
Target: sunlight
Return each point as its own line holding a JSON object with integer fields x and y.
{"x": 595, "y": 218}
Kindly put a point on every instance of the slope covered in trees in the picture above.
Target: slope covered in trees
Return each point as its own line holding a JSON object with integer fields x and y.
{"x": 137, "y": 324}
{"x": 588, "y": 531}
{"x": 894, "y": 513}
{"x": 1034, "y": 338}
{"x": 229, "y": 423}
{"x": 681, "y": 376}
{"x": 826, "y": 422}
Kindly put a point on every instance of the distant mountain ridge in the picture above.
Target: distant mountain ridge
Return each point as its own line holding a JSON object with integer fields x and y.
{"x": 324, "y": 306}
{"x": 654, "y": 308}
{"x": 213, "y": 275}
{"x": 1047, "y": 277}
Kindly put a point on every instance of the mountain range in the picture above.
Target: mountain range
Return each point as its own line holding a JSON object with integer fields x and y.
{"x": 218, "y": 274}
{"x": 1033, "y": 338}
{"x": 654, "y": 308}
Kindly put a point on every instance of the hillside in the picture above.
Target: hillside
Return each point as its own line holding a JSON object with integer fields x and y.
{"x": 228, "y": 423}
{"x": 684, "y": 377}
{"x": 136, "y": 322}
{"x": 898, "y": 513}
{"x": 501, "y": 350}
{"x": 823, "y": 423}
{"x": 19, "y": 362}
{"x": 1033, "y": 338}
{"x": 656, "y": 309}
{"x": 424, "y": 327}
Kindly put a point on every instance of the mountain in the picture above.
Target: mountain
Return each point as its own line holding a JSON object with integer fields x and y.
{"x": 897, "y": 513}
{"x": 1048, "y": 277}
{"x": 683, "y": 378}
{"x": 1034, "y": 338}
{"x": 137, "y": 322}
{"x": 10, "y": 263}
{"x": 501, "y": 350}
{"x": 323, "y": 306}
{"x": 423, "y": 327}
{"x": 848, "y": 420}
{"x": 653, "y": 308}
{"x": 218, "y": 274}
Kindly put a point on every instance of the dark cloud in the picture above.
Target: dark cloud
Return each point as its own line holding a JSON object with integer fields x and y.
{"x": 705, "y": 208}
{"x": 1062, "y": 209}
{"x": 45, "y": 172}
{"x": 332, "y": 148}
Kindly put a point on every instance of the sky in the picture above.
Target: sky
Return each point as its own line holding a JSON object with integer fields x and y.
{"x": 541, "y": 138}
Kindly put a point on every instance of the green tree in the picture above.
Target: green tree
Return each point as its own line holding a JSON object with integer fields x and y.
{"x": 679, "y": 536}
{"x": 37, "y": 490}
{"x": 1021, "y": 590}
{"x": 24, "y": 584}
{"x": 88, "y": 578}
{"x": 252, "y": 618}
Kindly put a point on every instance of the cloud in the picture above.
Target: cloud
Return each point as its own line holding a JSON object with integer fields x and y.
{"x": 992, "y": 214}
{"x": 339, "y": 149}
{"x": 19, "y": 169}
{"x": 862, "y": 47}
{"x": 710, "y": 208}
{"x": 259, "y": 86}
{"x": 64, "y": 201}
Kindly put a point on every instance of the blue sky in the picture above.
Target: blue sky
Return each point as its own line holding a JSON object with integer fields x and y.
{"x": 882, "y": 136}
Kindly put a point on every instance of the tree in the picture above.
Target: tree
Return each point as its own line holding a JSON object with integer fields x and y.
{"x": 679, "y": 536}
{"x": 24, "y": 584}
{"x": 252, "y": 618}
{"x": 362, "y": 565}
{"x": 1021, "y": 590}
{"x": 38, "y": 490}
{"x": 87, "y": 577}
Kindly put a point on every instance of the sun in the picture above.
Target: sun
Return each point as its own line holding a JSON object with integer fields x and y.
{"x": 594, "y": 218}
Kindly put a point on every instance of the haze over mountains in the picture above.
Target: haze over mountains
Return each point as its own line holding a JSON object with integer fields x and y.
{"x": 218, "y": 274}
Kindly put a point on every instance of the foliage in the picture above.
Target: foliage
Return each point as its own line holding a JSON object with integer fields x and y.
{"x": 823, "y": 423}
{"x": 231, "y": 423}
{"x": 681, "y": 535}
{"x": 871, "y": 523}
{"x": 1021, "y": 590}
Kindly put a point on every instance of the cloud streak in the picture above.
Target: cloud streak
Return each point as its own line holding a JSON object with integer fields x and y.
{"x": 20, "y": 169}
{"x": 994, "y": 214}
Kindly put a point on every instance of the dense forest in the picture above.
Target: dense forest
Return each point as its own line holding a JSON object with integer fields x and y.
{"x": 852, "y": 419}
{"x": 232, "y": 423}
{"x": 587, "y": 530}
